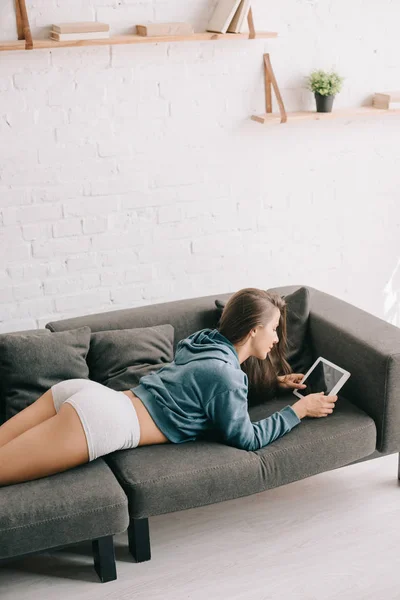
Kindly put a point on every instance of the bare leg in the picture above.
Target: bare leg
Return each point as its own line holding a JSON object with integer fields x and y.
{"x": 39, "y": 411}
{"x": 53, "y": 446}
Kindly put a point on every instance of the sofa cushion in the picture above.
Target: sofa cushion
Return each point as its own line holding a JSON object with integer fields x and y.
{"x": 30, "y": 364}
{"x": 164, "y": 478}
{"x": 299, "y": 350}
{"x": 300, "y": 354}
{"x": 186, "y": 316}
{"x": 83, "y": 503}
{"x": 119, "y": 358}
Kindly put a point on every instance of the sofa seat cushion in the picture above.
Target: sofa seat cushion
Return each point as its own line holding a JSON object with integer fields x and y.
{"x": 165, "y": 478}
{"x": 83, "y": 503}
{"x": 316, "y": 445}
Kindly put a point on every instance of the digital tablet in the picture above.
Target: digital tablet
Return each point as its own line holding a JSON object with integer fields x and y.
{"x": 323, "y": 376}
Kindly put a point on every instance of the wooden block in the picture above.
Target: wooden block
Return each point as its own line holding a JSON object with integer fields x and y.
{"x": 386, "y": 100}
{"x": 381, "y": 100}
{"x": 160, "y": 29}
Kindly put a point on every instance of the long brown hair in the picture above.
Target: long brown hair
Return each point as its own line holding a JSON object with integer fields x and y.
{"x": 248, "y": 308}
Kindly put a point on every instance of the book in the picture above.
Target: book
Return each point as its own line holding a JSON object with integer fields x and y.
{"x": 80, "y": 27}
{"x": 240, "y": 15}
{"x": 223, "y": 15}
{"x": 159, "y": 29}
{"x": 92, "y": 35}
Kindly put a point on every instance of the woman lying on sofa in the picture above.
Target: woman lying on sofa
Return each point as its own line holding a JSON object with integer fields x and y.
{"x": 204, "y": 389}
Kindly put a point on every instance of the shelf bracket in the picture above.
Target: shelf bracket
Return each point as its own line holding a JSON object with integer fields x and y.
{"x": 270, "y": 80}
{"x": 23, "y": 28}
{"x": 250, "y": 21}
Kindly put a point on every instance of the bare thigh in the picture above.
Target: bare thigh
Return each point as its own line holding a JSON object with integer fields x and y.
{"x": 34, "y": 414}
{"x": 57, "y": 444}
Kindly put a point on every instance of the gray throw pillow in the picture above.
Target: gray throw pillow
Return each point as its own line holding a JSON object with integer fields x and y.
{"x": 31, "y": 363}
{"x": 120, "y": 357}
{"x": 300, "y": 355}
{"x": 299, "y": 350}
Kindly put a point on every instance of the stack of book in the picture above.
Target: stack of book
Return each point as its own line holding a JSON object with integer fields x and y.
{"x": 80, "y": 31}
{"x": 229, "y": 16}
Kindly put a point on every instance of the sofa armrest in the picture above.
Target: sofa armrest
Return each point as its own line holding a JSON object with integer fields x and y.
{"x": 369, "y": 348}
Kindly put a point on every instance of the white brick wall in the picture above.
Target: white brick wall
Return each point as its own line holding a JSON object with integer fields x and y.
{"x": 131, "y": 175}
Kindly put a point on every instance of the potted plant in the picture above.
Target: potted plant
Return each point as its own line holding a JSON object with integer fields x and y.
{"x": 325, "y": 86}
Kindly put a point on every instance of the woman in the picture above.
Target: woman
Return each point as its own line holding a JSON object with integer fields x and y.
{"x": 204, "y": 390}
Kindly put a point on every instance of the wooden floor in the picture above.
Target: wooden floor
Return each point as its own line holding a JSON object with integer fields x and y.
{"x": 329, "y": 537}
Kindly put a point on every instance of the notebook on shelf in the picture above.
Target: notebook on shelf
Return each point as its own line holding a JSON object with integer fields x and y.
{"x": 239, "y": 17}
{"x": 65, "y": 37}
{"x": 223, "y": 15}
{"x": 160, "y": 29}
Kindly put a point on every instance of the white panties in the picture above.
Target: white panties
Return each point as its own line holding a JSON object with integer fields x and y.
{"x": 108, "y": 417}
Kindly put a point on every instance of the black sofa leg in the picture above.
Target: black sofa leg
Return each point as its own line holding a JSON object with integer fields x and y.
{"x": 139, "y": 539}
{"x": 104, "y": 558}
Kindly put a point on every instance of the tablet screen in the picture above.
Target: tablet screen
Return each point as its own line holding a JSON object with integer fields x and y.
{"x": 322, "y": 378}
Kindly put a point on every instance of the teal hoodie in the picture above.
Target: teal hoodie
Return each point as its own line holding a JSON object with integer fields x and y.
{"x": 204, "y": 390}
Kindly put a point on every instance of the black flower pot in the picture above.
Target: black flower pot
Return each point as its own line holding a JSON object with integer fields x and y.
{"x": 324, "y": 103}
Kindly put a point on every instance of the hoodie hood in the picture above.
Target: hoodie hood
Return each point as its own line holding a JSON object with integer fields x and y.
{"x": 206, "y": 344}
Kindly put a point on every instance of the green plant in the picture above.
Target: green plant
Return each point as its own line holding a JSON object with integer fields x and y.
{"x": 325, "y": 83}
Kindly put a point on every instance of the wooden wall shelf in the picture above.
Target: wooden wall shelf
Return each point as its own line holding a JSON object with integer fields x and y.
{"x": 272, "y": 118}
{"x": 136, "y": 39}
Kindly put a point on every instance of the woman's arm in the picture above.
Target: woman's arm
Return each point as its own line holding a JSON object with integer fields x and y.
{"x": 228, "y": 413}
{"x": 300, "y": 409}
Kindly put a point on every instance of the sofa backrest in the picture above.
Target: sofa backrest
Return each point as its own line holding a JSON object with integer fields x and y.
{"x": 186, "y": 316}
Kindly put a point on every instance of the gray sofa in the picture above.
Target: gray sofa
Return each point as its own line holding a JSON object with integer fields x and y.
{"x": 124, "y": 489}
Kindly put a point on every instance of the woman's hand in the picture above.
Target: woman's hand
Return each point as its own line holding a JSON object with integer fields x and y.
{"x": 291, "y": 381}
